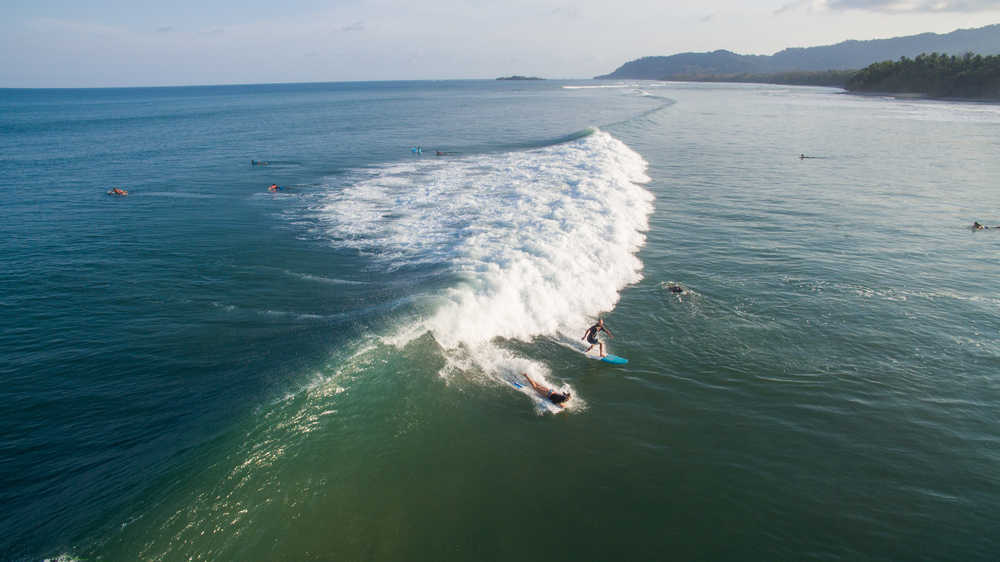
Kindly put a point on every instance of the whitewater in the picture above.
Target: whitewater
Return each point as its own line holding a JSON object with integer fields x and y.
{"x": 540, "y": 242}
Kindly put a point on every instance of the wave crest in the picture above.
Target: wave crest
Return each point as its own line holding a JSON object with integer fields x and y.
{"x": 540, "y": 241}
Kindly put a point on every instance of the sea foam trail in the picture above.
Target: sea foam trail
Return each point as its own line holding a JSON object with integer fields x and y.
{"x": 541, "y": 240}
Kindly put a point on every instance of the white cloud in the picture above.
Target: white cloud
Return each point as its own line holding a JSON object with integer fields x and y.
{"x": 895, "y": 6}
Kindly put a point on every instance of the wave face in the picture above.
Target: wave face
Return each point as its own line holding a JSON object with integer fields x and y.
{"x": 540, "y": 241}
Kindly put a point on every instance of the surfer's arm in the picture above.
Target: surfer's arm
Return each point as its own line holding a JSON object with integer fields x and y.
{"x": 608, "y": 332}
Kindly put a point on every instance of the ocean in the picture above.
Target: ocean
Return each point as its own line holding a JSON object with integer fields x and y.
{"x": 210, "y": 370}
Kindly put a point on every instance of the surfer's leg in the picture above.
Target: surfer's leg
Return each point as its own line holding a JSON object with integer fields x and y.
{"x": 538, "y": 388}
{"x": 602, "y": 349}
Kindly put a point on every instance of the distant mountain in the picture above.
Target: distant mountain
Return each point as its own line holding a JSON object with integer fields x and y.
{"x": 842, "y": 56}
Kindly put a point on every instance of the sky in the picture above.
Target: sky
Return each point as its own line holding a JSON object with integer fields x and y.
{"x": 98, "y": 43}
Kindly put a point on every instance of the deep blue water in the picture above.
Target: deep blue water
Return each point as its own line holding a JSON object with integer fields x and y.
{"x": 207, "y": 369}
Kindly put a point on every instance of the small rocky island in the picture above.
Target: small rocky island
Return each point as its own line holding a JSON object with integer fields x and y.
{"x": 519, "y": 77}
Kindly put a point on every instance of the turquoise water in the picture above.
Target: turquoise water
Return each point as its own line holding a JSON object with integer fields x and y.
{"x": 206, "y": 370}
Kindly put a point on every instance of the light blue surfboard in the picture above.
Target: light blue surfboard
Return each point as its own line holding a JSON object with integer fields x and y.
{"x": 613, "y": 359}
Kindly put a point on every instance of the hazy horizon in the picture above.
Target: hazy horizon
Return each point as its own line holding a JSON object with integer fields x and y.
{"x": 112, "y": 43}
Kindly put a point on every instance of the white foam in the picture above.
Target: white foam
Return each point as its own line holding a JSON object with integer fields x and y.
{"x": 542, "y": 240}
{"x": 320, "y": 278}
{"x": 614, "y": 86}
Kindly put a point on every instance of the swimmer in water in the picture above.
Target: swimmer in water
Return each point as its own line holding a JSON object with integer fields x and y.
{"x": 977, "y": 226}
{"x": 557, "y": 398}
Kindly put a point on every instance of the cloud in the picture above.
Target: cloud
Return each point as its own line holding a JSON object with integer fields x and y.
{"x": 894, "y": 6}
{"x": 356, "y": 26}
{"x": 792, "y": 6}
{"x": 569, "y": 12}
{"x": 915, "y": 5}
{"x": 164, "y": 29}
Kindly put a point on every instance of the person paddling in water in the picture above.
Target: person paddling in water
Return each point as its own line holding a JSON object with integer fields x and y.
{"x": 592, "y": 339}
{"x": 557, "y": 398}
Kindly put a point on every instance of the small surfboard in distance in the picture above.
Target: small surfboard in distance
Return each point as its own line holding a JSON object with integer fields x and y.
{"x": 609, "y": 358}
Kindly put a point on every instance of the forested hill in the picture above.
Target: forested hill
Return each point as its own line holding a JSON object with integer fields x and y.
{"x": 842, "y": 56}
{"x": 937, "y": 75}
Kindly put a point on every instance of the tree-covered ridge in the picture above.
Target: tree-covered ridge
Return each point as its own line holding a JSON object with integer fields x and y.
{"x": 938, "y": 75}
{"x": 846, "y": 55}
{"x": 832, "y": 78}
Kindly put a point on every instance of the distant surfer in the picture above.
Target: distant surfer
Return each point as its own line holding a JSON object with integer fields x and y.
{"x": 556, "y": 398}
{"x": 273, "y": 187}
{"x": 117, "y": 192}
{"x": 592, "y": 339}
{"x": 977, "y": 226}
{"x": 258, "y": 163}
{"x": 674, "y": 288}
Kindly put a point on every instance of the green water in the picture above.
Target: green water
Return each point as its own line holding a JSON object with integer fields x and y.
{"x": 827, "y": 388}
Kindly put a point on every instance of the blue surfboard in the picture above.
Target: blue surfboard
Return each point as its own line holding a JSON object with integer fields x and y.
{"x": 609, "y": 358}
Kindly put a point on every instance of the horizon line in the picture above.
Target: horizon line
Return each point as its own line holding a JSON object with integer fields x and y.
{"x": 291, "y": 83}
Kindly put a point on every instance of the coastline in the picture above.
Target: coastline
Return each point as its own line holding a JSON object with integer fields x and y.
{"x": 920, "y": 96}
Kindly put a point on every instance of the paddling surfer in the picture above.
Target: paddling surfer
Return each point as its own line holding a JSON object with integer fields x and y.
{"x": 556, "y": 398}
{"x": 592, "y": 339}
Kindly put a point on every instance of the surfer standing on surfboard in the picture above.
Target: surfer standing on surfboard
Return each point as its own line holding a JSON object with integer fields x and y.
{"x": 592, "y": 339}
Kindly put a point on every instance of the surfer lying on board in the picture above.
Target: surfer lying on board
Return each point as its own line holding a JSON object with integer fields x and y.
{"x": 591, "y": 336}
{"x": 556, "y": 398}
